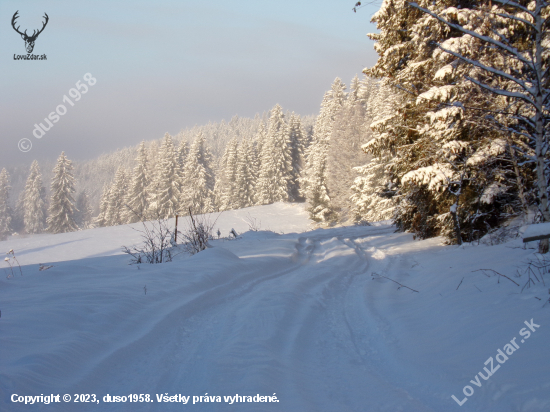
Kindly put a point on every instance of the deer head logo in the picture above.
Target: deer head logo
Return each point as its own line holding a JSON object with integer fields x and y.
{"x": 29, "y": 40}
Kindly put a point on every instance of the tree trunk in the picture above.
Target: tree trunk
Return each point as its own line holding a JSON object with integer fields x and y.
{"x": 540, "y": 149}
{"x": 519, "y": 182}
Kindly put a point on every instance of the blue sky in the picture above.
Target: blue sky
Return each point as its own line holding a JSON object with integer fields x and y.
{"x": 166, "y": 65}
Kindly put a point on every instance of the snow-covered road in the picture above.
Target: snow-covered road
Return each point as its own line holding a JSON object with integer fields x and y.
{"x": 281, "y": 318}
{"x": 306, "y": 316}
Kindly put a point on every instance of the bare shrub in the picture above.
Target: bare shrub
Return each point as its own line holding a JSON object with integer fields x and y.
{"x": 362, "y": 222}
{"x": 253, "y": 224}
{"x": 156, "y": 246}
{"x": 535, "y": 268}
{"x": 11, "y": 255}
{"x": 159, "y": 244}
{"x": 502, "y": 234}
{"x": 197, "y": 233}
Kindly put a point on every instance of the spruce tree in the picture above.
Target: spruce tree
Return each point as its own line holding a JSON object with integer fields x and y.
{"x": 355, "y": 92}
{"x": 275, "y": 177}
{"x": 137, "y": 200}
{"x": 314, "y": 178}
{"x": 166, "y": 195}
{"x": 371, "y": 194}
{"x": 84, "y": 211}
{"x": 373, "y": 189}
{"x": 260, "y": 139}
{"x": 153, "y": 155}
{"x": 33, "y": 204}
{"x": 5, "y": 212}
{"x": 198, "y": 178}
{"x": 298, "y": 145}
{"x": 225, "y": 187}
{"x": 437, "y": 124}
{"x": 246, "y": 175}
{"x": 349, "y": 132}
{"x": 18, "y": 214}
{"x": 62, "y": 203}
{"x": 101, "y": 219}
{"x": 183, "y": 151}
{"x": 116, "y": 208}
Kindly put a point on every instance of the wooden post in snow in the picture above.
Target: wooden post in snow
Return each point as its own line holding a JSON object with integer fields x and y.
{"x": 176, "y": 231}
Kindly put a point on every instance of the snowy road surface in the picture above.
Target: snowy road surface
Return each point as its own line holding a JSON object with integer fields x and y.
{"x": 306, "y": 316}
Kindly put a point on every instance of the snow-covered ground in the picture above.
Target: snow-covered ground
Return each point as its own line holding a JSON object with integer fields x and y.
{"x": 307, "y": 315}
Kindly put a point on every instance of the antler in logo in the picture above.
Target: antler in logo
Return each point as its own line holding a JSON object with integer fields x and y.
{"x": 29, "y": 40}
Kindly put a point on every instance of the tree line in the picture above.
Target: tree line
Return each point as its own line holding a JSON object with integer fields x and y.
{"x": 447, "y": 135}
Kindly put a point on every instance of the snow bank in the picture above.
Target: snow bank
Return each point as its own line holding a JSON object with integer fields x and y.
{"x": 540, "y": 229}
{"x": 314, "y": 319}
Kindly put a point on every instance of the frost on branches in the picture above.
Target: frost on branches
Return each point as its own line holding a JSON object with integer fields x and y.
{"x": 504, "y": 47}
{"x": 276, "y": 171}
{"x": 115, "y": 213}
{"x": 62, "y": 204}
{"x": 166, "y": 185}
{"x": 226, "y": 185}
{"x": 372, "y": 189}
{"x": 137, "y": 200}
{"x": 314, "y": 177}
{"x": 349, "y": 132}
{"x": 246, "y": 175}
{"x": 34, "y": 204}
{"x": 5, "y": 212}
{"x": 198, "y": 178}
{"x": 84, "y": 210}
{"x": 460, "y": 75}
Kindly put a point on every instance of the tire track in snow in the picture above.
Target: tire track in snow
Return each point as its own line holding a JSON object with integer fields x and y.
{"x": 297, "y": 332}
{"x": 362, "y": 310}
{"x": 198, "y": 308}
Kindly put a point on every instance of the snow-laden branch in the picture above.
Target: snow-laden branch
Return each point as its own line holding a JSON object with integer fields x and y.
{"x": 508, "y": 16}
{"x": 502, "y": 92}
{"x": 398, "y": 86}
{"x": 509, "y": 49}
{"x": 514, "y": 4}
{"x": 497, "y": 72}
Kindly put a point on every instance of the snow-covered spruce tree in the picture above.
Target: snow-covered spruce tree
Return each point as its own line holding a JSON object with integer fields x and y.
{"x": 406, "y": 63}
{"x": 62, "y": 204}
{"x": 116, "y": 207}
{"x": 260, "y": 138}
{"x": 34, "y": 203}
{"x": 429, "y": 116}
{"x": 473, "y": 196}
{"x": 84, "y": 210}
{"x": 314, "y": 177}
{"x": 246, "y": 175}
{"x": 153, "y": 154}
{"x": 349, "y": 132}
{"x": 225, "y": 187}
{"x": 373, "y": 190}
{"x": 18, "y": 214}
{"x": 183, "y": 151}
{"x": 373, "y": 94}
{"x": 166, "y": 186}
{"x": 101, "y": 219}
{"x": 371, "y": 198}
{"x": 515, "y": 71}
{"x": 276, "y": 161}
{"x": 5, "y": 212}
{"x": 137, "y": 199}
{"x": 355, "y": 92}
{"x": 298, "y": 146}
{"x": 198, "y": 179}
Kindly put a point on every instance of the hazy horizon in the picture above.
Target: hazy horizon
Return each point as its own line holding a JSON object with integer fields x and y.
{"x": 167, "y": 66}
